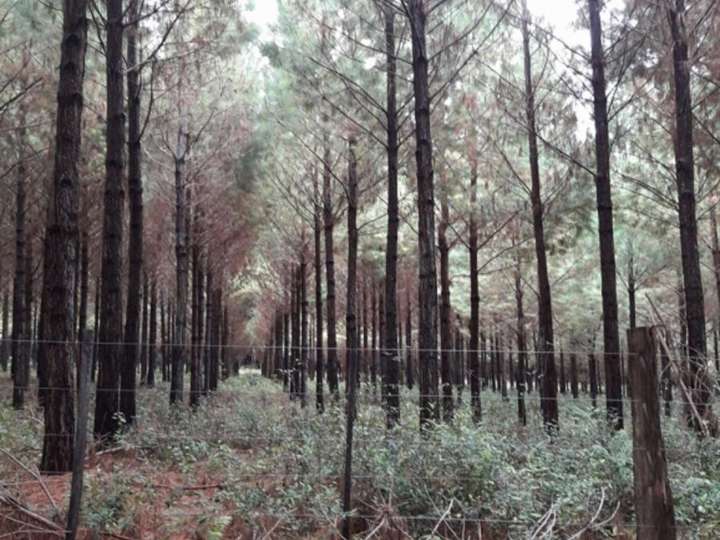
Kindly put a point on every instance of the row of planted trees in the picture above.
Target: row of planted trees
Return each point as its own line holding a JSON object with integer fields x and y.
{"x": 505, "y": 168}
{"x": 127, "y": 294}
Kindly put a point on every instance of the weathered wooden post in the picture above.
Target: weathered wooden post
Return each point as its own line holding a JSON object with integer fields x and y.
{"x": 653, "y": 497}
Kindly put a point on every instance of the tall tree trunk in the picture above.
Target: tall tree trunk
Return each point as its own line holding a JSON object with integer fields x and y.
{"x": 62, "y": 231}
{"x": 329, "y": 224}
{"x": 82, "y": 318}
{"x": 427, "y": 289}
{"x": 295, "y": 333}
{"x": 152, "y": 341}
{"x": 111, "y": 319}
{"x": 685, "y": 171}
{"x": 521, "y": 342}
{"x": 592, "y": 373}
{"x": 319, "y": 354}
{"x": 144, "y": 331}
{"x": 135, "y": 241}
{"x": 390, "y": 345}
{"x": 197, "y": 317}
{"x": 446, "y": 344}
{"x": 373, "y": 339}
{"x": 20, "y": 340}
{"x": 474, "y": 346}
{"x": 6, "y": 340}
{"x": 302, "y": 367}
{"x": 215, "y": 339}
{"x": 573, "y": 376}
{"x": 96, "y": 331}
{"x": 351, "y": 329}
{"x": 179, "y": 352}
{"x": 207, "y": 350}
{"x": 409, "y": 370}
{"x": 546, "y": 347}
{"x": 611, "y": 337}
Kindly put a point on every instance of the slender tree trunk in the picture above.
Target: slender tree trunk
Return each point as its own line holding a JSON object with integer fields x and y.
{"x": 215, "y": 339}
{"x": 592, "y": 372}
{"x": 96, "y": 331}
{"x": 366, "y": 354}
{"x": 329, "y": 224}
{"x": 611, "y": 337}
{"x": 319, "y": 353}
{"x": 474, "y": 346}
{"x": 573, "y": 376}
{"x": 207, "y": 351}
{"x": 446, "y": 344}
{"x": 295, "y": 329}
{"x": 62, "y": 231}
{"x": 163, "y": 336}
{"x": 427, "y": 290}
{"x": 20, "y": 340}
{"x": 111, "y": 323}
{"x": 521, "y": 343}
{"x": 545, "y": 321}
{"x": 409, "y": 370}
{"x": 381, "y": 339}
{"x": 303, "y": 358}
{"x": 179, "y": 353}
{"x": 374, "y": 359}
{"x": 82, "y": 318}
{"x": 352, "y": 332}
{"x": 197, "y": 318}
{"x": 145, "y": 330}
{"x": 152, "y": 341}
{"x": 135, "y": 241}
{"x": 685, "y": 171}
{"x": 390, "y": 345}
{"x": 6, "y": 340}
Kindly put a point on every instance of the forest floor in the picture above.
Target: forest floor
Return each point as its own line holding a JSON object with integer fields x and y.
{"x": 248, "y": 463}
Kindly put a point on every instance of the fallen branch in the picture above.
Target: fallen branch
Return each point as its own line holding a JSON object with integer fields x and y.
{"x": 34, "y": 475}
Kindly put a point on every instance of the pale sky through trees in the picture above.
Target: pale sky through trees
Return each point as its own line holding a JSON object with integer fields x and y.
{"x": 559, "y": 13}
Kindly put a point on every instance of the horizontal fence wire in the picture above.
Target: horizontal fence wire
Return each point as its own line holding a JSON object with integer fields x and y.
{"x": 405, "y": 395}
{"x": 378, "y": 350}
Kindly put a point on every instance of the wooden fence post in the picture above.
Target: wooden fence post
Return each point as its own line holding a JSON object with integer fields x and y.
{"x": 653, "y": 497}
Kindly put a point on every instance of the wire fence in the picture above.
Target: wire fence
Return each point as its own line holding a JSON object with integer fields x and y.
{"x": 504, "y": 394}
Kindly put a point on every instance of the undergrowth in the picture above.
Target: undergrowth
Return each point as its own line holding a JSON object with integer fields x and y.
{"x": 279, "y": 465}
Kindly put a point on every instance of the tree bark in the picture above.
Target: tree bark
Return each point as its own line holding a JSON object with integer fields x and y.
{"x": 653, "y": 496}
{"x": 135, "y": 240}
{"x": 111, "y": 323}
{"x": 6, "y": 340}
{"x": 329, "y": 224}
{"x": 474, "y": 346}
{"x": 352, "y": 332}
{"x": 390, "y": 344}
{"x": 144, "y": 330}
{"x": 446, "y": 344}
{"x": 427, "y": 289}
{"x": 685, "y": 172}
{"x": 20, "y": 367}
{"x": 319, "y": 353}
{"x": 197, "y": 294}
{"x": 546, "y": 345}
{"x": 611, "y": 336}
{"x": 303, "y": 358}
{"x": 179, "y": 353}
{"x": 62, "y": 231}
{"x": 152, "y": 341}
{"x": 521, "y": 343}
{"x": 82, "y": 318}
{"x": 409, "y": 369}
